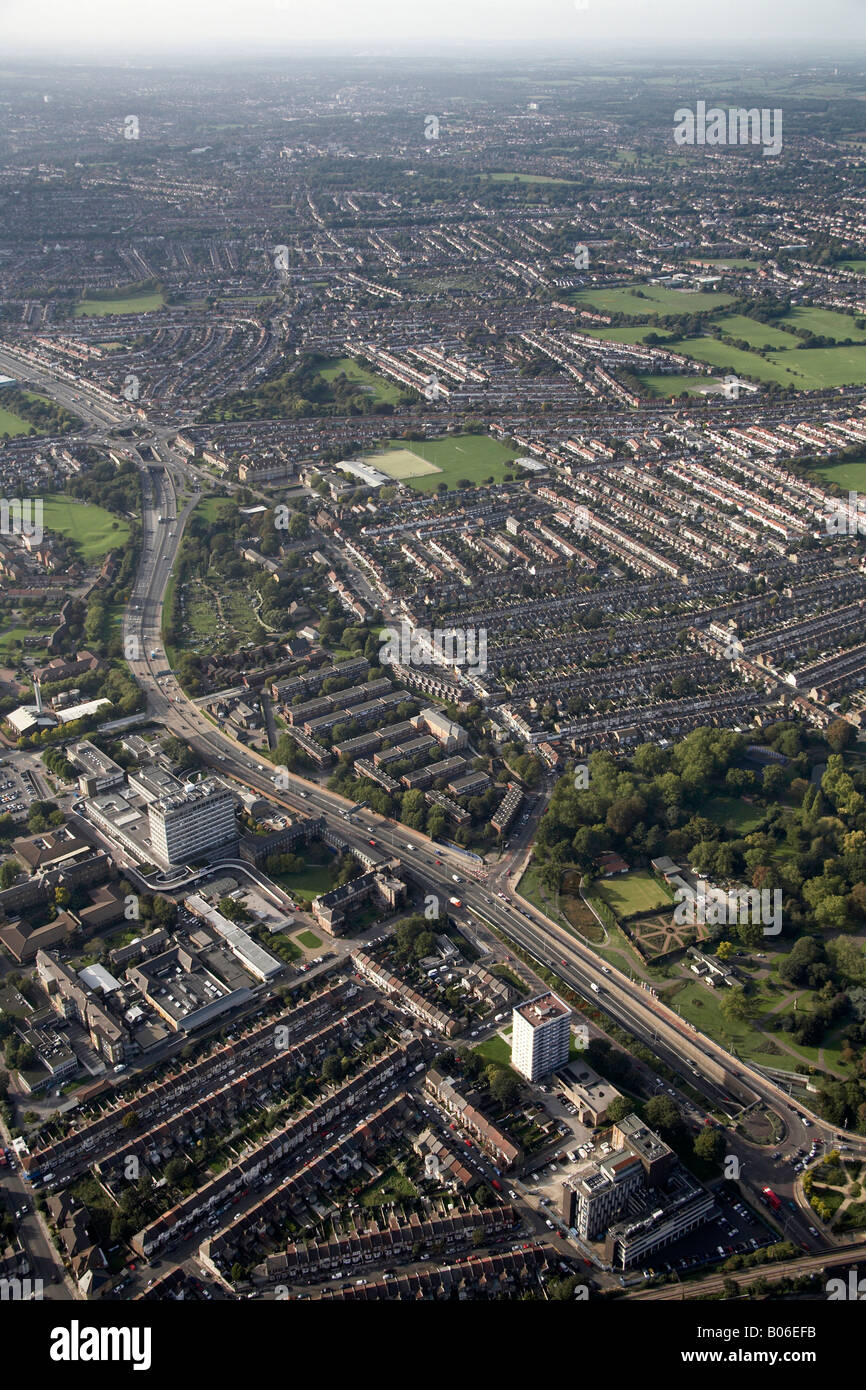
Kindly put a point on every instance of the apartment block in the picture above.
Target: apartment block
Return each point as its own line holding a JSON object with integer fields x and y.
{"x": 540, "y": 1037}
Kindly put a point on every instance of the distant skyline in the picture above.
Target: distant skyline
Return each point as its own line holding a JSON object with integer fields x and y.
{"x": 112, "y": 30}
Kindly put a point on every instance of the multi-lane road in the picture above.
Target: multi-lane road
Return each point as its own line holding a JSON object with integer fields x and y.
{"x": 485, "y": 892}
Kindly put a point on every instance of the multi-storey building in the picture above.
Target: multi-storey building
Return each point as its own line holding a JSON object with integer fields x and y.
{"x": 540, "y": 1038}
{"x": 185, "y": 826}
{"x": 598, "y": 1196}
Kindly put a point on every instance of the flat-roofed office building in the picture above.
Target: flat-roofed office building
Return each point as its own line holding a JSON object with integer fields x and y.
{"x": 199, "y": 819}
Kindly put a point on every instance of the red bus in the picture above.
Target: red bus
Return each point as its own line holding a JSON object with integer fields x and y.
{"x": 773, "y": 1202}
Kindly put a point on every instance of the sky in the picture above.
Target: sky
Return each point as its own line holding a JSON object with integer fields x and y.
{"x": 138, "y": 30}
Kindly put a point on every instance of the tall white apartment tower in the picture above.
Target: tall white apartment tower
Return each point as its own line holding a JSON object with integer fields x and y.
{"x": 540, "y": 1036}
{"x": 187, "y": 825}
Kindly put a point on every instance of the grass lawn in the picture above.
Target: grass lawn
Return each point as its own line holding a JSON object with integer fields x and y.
{"x": 702, "y": 1006}
{"x": 402, "y": 464}
{"x": 812, "y": 369}
{"x": 530, "y": 888}
{"x": 309, "y": 939}
{"x": 853, "y": 1217}
{"x": 475, "y": 457}
{"x": 731, "y": 811}
{"x": 672, "y": 384}
{"x": 94, "y": 529}
{"x": 308, "y": 883}
{"x": 495, "y": 1049}
{"x": 578, "y": 915}
{"x": 653, "y": 299}
{"x": 758, "y": 335}
{"x": 859, "y": 267}
{"x": 382, "y": 391}
{"x": 524, "y": 178}
{"x": 134, "y": 304}
{"x": 389, "y": 1188}
{"x": 746, "y": 364}
{"x": 610, "y": 943}
{"x": 826, "y": 323}
{"x": 851, "y": 476}
{"x": 12, "y": 424}
{"x": 633, "y": 892}
{"x": 18, "y": 634}
{"x": 213, "y": 507}
{"x": 633, "y": 333}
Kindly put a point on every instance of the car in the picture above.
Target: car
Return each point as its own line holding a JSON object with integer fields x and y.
{"x": 549, "y": 1224}
{"x": 812, "y": 1231}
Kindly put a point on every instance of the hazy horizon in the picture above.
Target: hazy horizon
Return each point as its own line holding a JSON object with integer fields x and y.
{"x": 104, "y": 31}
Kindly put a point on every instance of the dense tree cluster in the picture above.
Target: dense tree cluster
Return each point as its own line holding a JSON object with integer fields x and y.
{"x": 300, "y": 391}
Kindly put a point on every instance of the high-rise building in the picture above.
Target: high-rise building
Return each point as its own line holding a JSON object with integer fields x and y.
{"x": 189, "y": 824}
{"x": 540, "y": 1036}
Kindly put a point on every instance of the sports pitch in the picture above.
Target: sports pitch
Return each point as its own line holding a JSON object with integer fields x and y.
{"x": 653, "y": 299}
{"x": 133, "y": 304}
{"x": 473, "y": 458}
{"x": 634, "y": 892}
{"x": 846, "y": 475}
{"x": 401, "y": 464}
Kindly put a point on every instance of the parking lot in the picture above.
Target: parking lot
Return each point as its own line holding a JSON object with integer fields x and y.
{"x": 735, "y": 1230}
{"x": 16, "y": 790}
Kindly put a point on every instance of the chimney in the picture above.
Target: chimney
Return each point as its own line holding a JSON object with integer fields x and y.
{"x": 37, "y": 686}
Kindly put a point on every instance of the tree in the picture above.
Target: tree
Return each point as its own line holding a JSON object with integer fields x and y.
{"x": 840, "y": 735}
{"x": 425, "y": 944}
{"x": 736, "y": 1005}
{"x": 175, "y": 1169}
{"x": 8, "y": 873}
{"x": 618, "y": 1109}
{"x": 664, "y": 1116}
{"x": 709, "y": 1144}
{"x": 773, "y": 780}
{"x": 504, "y": 1088}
